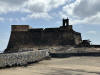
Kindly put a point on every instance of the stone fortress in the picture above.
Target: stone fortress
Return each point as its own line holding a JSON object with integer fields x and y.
{"x": 24, "y": 44}
{"x": 23, "y": 36}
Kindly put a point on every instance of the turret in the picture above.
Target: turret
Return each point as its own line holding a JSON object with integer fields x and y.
{"x": 65, "y": 22}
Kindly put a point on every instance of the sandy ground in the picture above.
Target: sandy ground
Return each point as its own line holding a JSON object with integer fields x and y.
{"x": 59, "y": 66}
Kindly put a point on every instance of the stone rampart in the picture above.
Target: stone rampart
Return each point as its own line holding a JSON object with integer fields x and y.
{"x": 22, "y": 36}
{"x": 21, "y": 58}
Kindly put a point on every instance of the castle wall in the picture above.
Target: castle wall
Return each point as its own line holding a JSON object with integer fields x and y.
{"x": 20, "y": 28}
{"x": 78, "y": 38}
{"x": 26, "y": 37}
{"x": 50, "y": 37}
{"x": 66, "y": 38}
{"x": 19, "y": 39}
{"x": 22, "y": 58}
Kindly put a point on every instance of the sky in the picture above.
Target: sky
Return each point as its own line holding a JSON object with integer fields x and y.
{"x": 84, "y": 15}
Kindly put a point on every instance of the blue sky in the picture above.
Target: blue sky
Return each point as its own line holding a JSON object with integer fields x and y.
{"x": 84, "y": 15}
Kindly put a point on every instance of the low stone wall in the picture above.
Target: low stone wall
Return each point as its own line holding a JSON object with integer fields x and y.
{"x": 64, "y": 55}
{"x": 21, "y": 58}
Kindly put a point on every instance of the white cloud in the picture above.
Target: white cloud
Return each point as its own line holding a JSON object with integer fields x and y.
{"x": 11, "y": 5}
{"x": 87, "y": 8}
{"x": 80, "y": 11}
{"x": 83, "y": 11}
{"x": 39, "y": 15}
{"x": 41, "y": 8}
{"x": 69, "y": 8}
{"x": 34, "y": 8}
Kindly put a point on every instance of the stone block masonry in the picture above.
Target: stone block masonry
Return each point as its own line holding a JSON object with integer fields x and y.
{"x": 21, "y": 58}
{"x": 23, "y": 36}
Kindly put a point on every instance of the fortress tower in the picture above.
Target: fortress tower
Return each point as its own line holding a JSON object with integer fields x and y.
{"x": 23, "y": 36}
{"x": 65, "y": 22}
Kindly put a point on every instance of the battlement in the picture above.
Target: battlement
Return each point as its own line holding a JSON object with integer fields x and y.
{"x": 20, "y": 27}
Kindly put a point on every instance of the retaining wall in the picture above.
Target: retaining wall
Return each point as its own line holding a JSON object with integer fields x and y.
{"x": 64, "y": 55}
{"x": 21, "y": 58}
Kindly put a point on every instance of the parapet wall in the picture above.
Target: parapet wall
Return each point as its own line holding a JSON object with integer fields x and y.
{"x": 20, "y": 27}
{"x": 21, "y": 58}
